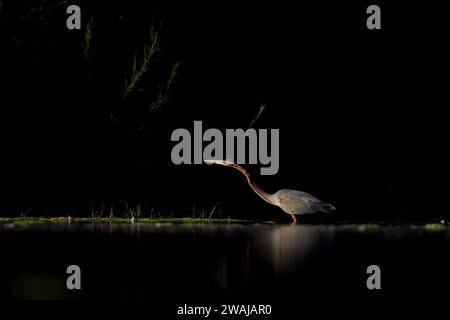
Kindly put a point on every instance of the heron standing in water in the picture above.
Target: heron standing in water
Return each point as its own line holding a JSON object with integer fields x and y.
{"x": 292, "y": 202}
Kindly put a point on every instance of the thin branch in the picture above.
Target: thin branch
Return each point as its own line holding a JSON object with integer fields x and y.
{"x": 142, "y": 67}
{"x": 260, "y": 111}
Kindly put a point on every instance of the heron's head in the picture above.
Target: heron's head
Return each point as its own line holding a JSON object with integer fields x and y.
{"x": 221, "y": 162}
{"x": 228, "y": 163}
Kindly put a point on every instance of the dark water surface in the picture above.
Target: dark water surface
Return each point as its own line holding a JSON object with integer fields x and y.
{"x": 209, "y": 263}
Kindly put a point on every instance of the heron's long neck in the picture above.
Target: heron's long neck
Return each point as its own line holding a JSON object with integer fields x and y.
{"x": 260, "y": 192}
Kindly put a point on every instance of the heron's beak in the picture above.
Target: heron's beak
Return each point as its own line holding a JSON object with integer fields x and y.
{"x": 220, "y": 162}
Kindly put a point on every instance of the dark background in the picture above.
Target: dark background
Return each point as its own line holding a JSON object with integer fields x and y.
{"x": 361, "y": 113}
{"x": 362, "y": 124}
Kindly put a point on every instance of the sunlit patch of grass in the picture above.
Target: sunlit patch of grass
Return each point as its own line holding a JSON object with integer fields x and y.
{"x": 29, "y": 220}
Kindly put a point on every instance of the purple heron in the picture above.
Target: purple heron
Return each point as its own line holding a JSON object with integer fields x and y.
{"x": 292, "y": 202}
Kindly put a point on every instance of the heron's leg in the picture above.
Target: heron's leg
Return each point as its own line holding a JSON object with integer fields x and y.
{"x": 294, "y": 217}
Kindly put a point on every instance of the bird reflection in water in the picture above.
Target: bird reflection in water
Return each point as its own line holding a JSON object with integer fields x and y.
{"x": 287, "y": 248}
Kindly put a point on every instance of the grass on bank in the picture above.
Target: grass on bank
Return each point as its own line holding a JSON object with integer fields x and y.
{"x": 362, "y": 227}
{"x": 33, "y": 220}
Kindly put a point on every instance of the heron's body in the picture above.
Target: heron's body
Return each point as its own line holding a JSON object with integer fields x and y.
{"x": 292, "y": 202}
{"x": 297, "y": 203}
